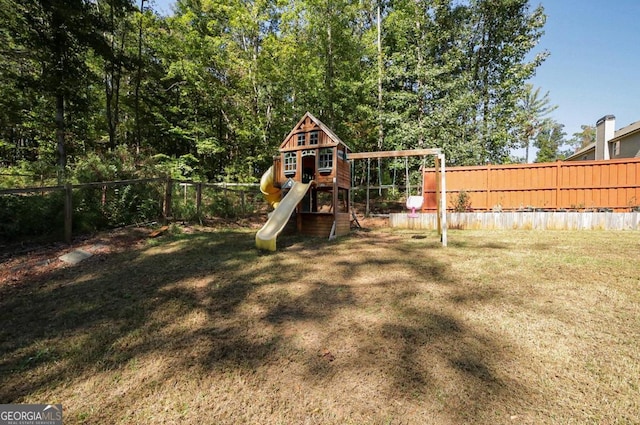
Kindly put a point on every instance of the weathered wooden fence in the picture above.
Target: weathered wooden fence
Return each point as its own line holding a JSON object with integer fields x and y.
{"x": 168, "y": 202}
{"x": 585, "y": 185}
{"x": 522, "y": 220}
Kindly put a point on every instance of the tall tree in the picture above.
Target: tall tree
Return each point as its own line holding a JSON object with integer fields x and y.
{"x": 220, "y": 83}
{"x": 549, "y": 141}
{"x": 455, "y": 72}
{"x": 533, "y": 116}
{"x": 59, "y": 34}
{"x": 584, "y": 137}
{"x": 138, "y": 134}
{"x": 503, "y": 34}
{"x": 116, "y": 14}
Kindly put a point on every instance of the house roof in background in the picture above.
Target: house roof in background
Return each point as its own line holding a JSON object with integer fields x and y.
{"x": 626, "y": 131}
{"x": 582, "y": 151}
{"x": 618, "y": 135}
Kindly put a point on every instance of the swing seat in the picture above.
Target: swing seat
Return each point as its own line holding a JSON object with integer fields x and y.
{"x": 413, "y": 203}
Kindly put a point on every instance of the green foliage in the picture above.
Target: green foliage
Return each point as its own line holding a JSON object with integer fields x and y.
{"x": 579, "y": 140}
{"x": 101, "y": 91}
{"x": 455, "y": 72}
{"x": 533, "y": 122}
{"x": 462, "y": 202}
{"x": 225, "y": 205}
{"x": 211, "y": 91}
{"x": 549, "y": 142}
{"x": 108, "y": 207}
{"x": 31, "y": 216}
{"x": 184, "y": 167}
{"x": 119, "y": 164}
{"x": 221, "y": 205}
{"x": 28, "y": 174}
{"x": 105, "y": 207}
{"x": 216, "y": 202}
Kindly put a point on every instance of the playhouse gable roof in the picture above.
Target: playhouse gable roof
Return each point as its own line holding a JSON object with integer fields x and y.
{"x": 308, "y": 123}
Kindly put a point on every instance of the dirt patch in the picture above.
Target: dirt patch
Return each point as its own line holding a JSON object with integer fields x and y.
{"x": 30, "y": 260}
{"x": 18, "y": 263}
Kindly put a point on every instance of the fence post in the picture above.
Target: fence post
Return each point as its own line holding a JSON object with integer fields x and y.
{"x": 438, "y": 194}
{"x": 68, "y": 212}
{"x": 242, "y": 202}
{"x": 168, "y": 191}
{"x": 558, "y": 172}
{"x": 198, "y": 199}
{"x": 488, "y": 197}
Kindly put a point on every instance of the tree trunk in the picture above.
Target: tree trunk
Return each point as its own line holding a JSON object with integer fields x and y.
{"x": 420, "y": 80}
{"x": 329, "y": 71}
{"x": 380, "y": 126}
{"x": 62, "y": 155}
{"x": 138, "y": 80}
{"x": 108, "y": 95}
{"x": 112, "y": 80}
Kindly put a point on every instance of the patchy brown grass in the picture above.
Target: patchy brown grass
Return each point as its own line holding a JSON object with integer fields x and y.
{"x": 381, "y": 327}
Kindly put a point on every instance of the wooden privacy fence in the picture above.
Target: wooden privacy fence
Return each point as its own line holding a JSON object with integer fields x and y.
{"x": 585, "y": 185}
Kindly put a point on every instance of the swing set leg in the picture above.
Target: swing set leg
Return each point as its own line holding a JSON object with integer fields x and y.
{"x": 355, "y": 219}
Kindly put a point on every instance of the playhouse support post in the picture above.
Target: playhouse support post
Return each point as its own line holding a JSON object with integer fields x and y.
{"x": 350, "y": 192}
{"x": 335, "y": 208}
{"x": 368, "y": 177}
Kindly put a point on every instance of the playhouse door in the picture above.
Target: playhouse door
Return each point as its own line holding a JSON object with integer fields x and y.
{"x": 308, "y": 168}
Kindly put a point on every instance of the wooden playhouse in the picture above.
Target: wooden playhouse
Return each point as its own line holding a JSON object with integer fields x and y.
{"x": 313, "y": 153}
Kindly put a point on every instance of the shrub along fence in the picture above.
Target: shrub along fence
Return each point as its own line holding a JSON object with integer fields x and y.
{"x": 60, "y": 211}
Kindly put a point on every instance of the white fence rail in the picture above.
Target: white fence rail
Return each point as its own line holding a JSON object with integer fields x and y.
{"x": 522, "y": 220}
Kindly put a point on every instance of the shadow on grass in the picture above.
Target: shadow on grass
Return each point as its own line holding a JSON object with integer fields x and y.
{"x": 110, "y": 311}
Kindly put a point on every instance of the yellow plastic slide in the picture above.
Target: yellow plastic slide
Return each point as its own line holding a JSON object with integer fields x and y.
{"x": 271, "y": 193}
{"x": 266, "y": 237}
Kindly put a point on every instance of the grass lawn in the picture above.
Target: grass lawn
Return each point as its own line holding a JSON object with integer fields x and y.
{"x": 380, "y": 327}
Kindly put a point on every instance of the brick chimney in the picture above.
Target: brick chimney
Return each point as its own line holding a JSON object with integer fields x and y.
{"x": 605, "y": 128}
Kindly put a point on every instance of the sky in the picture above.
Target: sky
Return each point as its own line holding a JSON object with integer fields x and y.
{"x": 594, "y": 65}
{"x": 164, "y": 7}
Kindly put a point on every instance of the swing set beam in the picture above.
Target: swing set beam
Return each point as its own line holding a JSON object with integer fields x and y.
{"x": 393, "y": 154}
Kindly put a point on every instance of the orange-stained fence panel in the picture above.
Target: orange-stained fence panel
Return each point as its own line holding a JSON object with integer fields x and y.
{"x": 613, "y": 184}
{"x": 431, "y": 202}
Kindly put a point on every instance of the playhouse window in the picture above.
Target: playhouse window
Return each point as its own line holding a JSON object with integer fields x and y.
{"x": 313, "y": 138}
{"x": 290, "y": 164}
{"x": 301, "y": 139}
{"x": 325, "y": 163}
